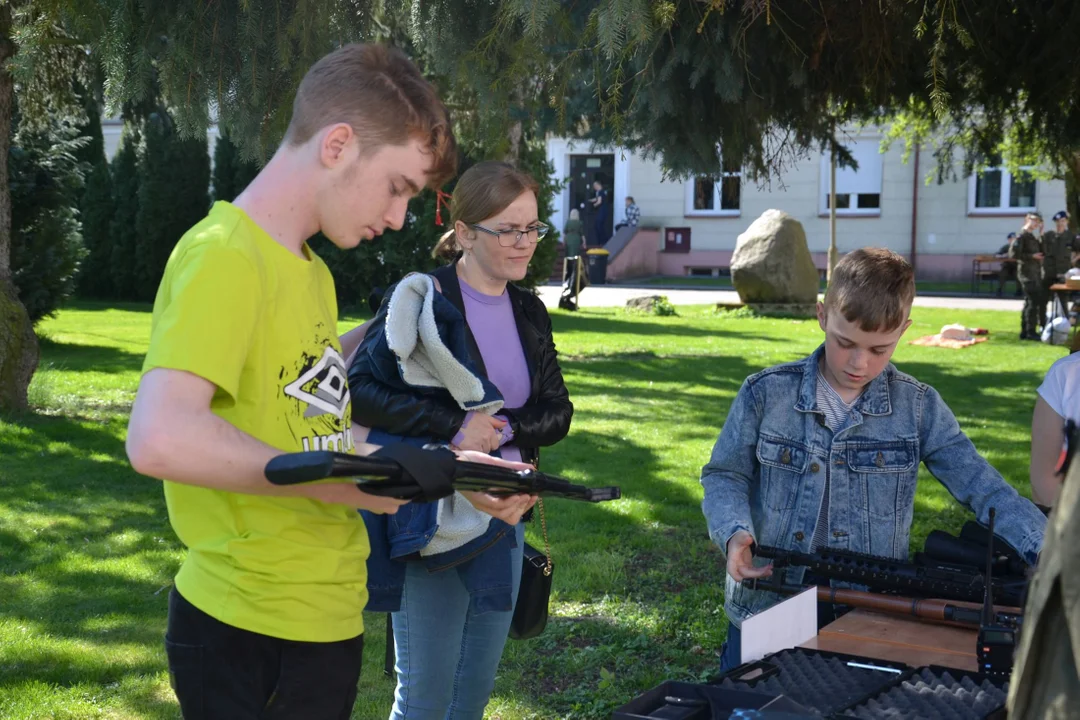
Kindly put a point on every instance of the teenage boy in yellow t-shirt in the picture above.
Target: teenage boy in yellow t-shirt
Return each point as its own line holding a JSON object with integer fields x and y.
{"x": 244, "y": 364}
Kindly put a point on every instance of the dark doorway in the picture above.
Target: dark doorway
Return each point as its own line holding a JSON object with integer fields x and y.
{"x": 584, "y": 170}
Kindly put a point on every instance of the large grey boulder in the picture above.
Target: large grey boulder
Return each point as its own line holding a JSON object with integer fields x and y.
{"x": 772, "y": 262}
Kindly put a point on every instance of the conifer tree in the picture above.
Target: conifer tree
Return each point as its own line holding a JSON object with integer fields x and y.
{"x": 46, "y": 243}
{"x": 174, "y": 179}
{"x": 232, "y": 172}
{"x": 95, "y": 207}
{"x": 701, "y": 84}
{"x": 124, "y": 172}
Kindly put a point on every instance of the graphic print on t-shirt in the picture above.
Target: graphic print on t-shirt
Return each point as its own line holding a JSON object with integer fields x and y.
{"x": 318, "y": 384}
{"x": 322, "y": 386}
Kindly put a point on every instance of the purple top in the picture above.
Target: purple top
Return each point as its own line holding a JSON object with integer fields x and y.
{"x": 491, "y": 320}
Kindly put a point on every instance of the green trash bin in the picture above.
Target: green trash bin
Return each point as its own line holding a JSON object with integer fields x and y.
{"x": 596, "y": 265}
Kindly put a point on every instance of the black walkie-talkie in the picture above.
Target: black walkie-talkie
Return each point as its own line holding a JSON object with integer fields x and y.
{"x": 997, "y": 643}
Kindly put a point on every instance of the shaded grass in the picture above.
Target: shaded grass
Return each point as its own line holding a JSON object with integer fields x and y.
{"x": 87, "y": 554}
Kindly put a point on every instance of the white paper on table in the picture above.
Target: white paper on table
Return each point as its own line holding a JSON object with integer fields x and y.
{"x": 783, "y": 626}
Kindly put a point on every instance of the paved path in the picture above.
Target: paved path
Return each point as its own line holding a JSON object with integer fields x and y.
{"x": 617, "y": 295}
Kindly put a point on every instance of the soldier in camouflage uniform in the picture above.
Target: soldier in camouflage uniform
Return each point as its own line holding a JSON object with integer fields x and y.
{"x": 1027, "y": 251}
{"x": 1058, "y": 245}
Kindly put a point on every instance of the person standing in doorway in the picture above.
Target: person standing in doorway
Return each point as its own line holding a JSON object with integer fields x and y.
{"x": 601, "y": 208}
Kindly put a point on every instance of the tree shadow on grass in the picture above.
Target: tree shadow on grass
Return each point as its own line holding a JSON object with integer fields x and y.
{"x": 678, "y": 392}
{"x": 973, "y": 392}
{"x": 584, "y": 322}
{"x": 75, "y": 357}
{"x": 993, "y": 407}
{"x": 85, "y": 552}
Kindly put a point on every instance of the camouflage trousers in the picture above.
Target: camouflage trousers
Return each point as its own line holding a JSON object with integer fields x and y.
{"x": 1034, "y": 304}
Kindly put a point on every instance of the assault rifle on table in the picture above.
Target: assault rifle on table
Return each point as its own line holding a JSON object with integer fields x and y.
{"x": 386, "y": 477}
{"x": 930, "y": 580}
{"x": 932, "y": 610}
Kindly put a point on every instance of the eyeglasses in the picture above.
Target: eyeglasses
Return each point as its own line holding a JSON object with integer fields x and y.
{"x": 510, "y": 238}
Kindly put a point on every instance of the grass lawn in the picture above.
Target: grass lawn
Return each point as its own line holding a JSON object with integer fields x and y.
{"x": 87, "y": 554}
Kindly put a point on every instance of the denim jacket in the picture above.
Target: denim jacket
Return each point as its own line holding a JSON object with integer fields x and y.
{"x": 767, "y": 471}
{"x": 482, "y": 564}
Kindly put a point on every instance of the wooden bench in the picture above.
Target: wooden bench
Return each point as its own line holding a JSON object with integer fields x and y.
{"x": 707, "y": 270}
{"x": 984, "y": 268}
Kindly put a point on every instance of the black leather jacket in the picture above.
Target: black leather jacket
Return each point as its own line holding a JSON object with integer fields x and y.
{"x": 543, "y": 420}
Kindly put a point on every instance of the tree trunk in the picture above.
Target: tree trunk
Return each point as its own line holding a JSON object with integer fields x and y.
{"x": 515, "y": 133}
{"x": 18, "y": 344}
{"x": 513, "y": 152}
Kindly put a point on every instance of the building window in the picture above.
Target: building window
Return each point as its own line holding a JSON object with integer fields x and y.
{"x": 715, "y": 196}
{"x": 996, "y": 190}
{"x": 858, "y": 192}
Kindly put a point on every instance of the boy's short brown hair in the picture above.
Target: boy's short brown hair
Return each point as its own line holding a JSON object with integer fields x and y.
{"x": 873, "y": 287}
{"x": 379, "y": 92}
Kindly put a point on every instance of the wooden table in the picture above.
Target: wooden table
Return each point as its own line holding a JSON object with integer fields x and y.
{"x": 1067, "y": 296}
{"x": 892, "y": 637}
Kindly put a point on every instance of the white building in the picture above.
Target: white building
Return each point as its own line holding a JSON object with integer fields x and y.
{"x": 112, "y": 128}
{"x": 691, "y": 227}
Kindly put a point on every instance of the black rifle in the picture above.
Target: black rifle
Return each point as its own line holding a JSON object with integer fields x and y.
{"x": 970, "y": 550}
{"x": 948, "y": 582}
{"x": 383, "y": 476}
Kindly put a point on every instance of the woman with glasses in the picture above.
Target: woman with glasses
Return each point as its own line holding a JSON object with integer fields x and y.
{"x": 452, "y": 621}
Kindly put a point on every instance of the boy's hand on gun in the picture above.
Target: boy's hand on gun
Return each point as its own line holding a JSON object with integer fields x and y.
{"x": 740, "y": 561}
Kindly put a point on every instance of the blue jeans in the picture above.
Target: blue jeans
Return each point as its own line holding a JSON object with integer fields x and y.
{"x": 731, "y": 653}
{"x": 447, "y": 656}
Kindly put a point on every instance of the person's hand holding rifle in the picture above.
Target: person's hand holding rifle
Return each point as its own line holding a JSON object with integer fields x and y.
{"x": 425, "y": 475}
{"x": 740, "y": 558}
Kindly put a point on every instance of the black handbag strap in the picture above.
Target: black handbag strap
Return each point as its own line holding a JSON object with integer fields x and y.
{"x": 388, "y": 667}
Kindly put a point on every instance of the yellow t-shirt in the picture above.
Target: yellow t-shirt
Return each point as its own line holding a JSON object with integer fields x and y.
{"x": 238, "y": 309}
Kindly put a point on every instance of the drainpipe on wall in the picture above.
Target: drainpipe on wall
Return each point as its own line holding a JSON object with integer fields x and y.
{"x": 915, "y": 207}
{"x": 832, "y": 256}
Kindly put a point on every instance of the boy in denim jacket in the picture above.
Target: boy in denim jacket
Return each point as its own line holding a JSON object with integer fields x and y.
{"x": 825, "y": 451}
